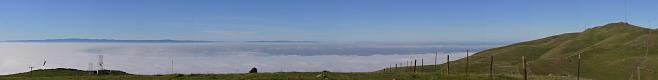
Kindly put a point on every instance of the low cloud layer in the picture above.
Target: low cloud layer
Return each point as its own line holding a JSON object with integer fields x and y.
{"x": 206, "y": 58}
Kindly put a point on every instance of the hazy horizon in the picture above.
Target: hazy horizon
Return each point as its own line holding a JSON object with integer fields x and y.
{"x": 335, "y": 20}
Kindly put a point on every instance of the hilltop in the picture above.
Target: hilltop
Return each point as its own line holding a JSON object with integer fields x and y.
{"x": 608, "y": 52}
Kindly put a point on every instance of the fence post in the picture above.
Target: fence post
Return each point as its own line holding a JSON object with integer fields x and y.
{"x": 578, "y": 74}
{"x": 466, "y": 69}
{"x": 409, "y": 67}
{"x": 436, "y": 56}
{"x": 448, "y": 64}
{"x": 422, "y": 63}
{"x": 396, "y": 68}
{"x": 388, "y": 68}
{"x": 406, "y": 66}
{"x": 491, "y": 62}
{"x": 415, "y": 61}
{"x": 525, "y": 71}
{"x": 385, "y": 69}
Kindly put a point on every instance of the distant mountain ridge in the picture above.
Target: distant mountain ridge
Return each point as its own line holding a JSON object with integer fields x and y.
{"x": 113, "y": 41}
{"x": 283, "y": 41}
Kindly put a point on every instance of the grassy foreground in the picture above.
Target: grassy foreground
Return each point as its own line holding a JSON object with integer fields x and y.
{"x": 288, "y": 76}
{"x": 74, "y": 74}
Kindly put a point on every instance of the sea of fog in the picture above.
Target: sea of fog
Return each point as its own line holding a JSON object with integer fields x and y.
{"x": 186, "y": 58}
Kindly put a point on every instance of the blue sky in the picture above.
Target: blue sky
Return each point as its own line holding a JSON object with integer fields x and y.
{"x": 316, "y": 20}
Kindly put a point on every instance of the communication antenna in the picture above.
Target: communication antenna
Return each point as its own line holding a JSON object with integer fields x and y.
{"x": 172, "y": 66}
{"x": 100, "y": 62}
{"x": 91, "y": 66}
{"x": 436, "y": 55}
{"x": 282, "y": 68}
{"x": 171, "y": 62}
{"x": 43, "y": 66}
{"x": 237, "y": 69}
{"x": 626, "y": 11}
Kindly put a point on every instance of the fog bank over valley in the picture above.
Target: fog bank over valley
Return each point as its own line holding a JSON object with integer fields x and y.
{"x": 156, "y": 58}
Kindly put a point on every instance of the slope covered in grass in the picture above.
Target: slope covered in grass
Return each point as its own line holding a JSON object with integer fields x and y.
{"x": 66, "y": 72}
{"x": 608, "y": 52}
{"x": 283, "y": 76}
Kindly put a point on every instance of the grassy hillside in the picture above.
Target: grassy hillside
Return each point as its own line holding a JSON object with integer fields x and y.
{"x": 66, "y": 72}
{"x": 290, "y": 76}
{"x": 609, "y": 52}
{"x": 74, "y": 74}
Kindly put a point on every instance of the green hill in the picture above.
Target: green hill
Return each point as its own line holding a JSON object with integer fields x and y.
{"x": 66, "y": 72}
{"x": 74, "y": 74}
{"x": 609, "y": 52}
